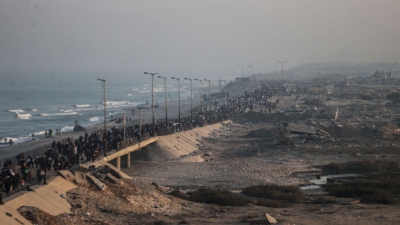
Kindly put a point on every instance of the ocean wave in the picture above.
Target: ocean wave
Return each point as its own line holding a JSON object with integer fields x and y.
{"x": 67, "y": 111}
{"x": 16, "y": 110}
{"x": 24, "y": 116}
{"x": 82, "y": 106}
{"x": 15, "y": 140}
{"x": 67, "y": 128}
{"x": 94, "y": 119}
{"x": 90, "y": 108}
{"x": 39, "y": 133}
{"x": 70, "y": 112}
{"x": 129, "y": 95}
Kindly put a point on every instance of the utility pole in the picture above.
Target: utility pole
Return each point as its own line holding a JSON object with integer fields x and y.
{"x": 209, "y": 93}
{"x": 105, "y": 105}
{"x": 282, "y": 68}
{"x": 191, "y": 97}
{"x": 166, "y": 105}
{"x": 201, "y": 97}
{"x": 226, "y": 100}
{"x": 152, "y": 99}
{"x": 124, "y": 123}
{"x": 179, "y": 100}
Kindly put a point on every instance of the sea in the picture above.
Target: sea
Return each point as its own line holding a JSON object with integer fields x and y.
{"x": 32, "y": 105}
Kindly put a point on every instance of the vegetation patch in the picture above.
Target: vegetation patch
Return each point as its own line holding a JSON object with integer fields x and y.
{"x": 382, "y": 191}
{"x": 213, "y": 196}
{"x": 287, "y": 194}
{"x": 394, "y": 97}
{"x": 366, "y": 166}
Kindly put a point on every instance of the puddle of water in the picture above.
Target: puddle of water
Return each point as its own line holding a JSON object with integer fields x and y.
{"x": 318, "y": 182}
{"x": 309, "y": 187}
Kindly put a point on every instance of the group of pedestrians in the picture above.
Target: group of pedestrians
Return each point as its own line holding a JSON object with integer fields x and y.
{"x": 66, "y": 153}
{"x": 14, "y": 177}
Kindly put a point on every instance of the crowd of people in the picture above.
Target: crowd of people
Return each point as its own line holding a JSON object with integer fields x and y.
{"x": 64, "y": 154}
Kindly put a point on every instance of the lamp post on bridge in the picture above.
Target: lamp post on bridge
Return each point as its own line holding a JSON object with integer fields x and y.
{"x": 250, "y": 71}
{"x": 152, "y": 98}
{"x": 209, "y": 93}
{"x": 282, "y": 68}
{"x": 201, "y": 97}
{"x": 191, "y": 98}
{"x": 226, "y": 100}
{"x": 103, "y": 81}
{"x": 179, "y": 100}
{"x": 166, "y": 104}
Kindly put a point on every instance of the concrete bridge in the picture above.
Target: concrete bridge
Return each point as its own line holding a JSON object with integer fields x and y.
{"x": 124, "y": 155}
{"x": 169, "y": 146}
{"x": 51, "y": 198}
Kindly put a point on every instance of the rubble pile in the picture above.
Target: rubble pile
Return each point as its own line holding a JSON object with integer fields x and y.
{"x": 389, "y": 130}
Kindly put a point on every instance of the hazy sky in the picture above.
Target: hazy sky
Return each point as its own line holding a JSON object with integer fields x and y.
{"x": 193, "y": 38}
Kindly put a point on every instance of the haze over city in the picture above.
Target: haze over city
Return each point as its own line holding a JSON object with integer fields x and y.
{"x": 204, "y": 38}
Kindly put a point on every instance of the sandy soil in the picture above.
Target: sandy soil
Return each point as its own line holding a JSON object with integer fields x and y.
{"x": 238, "y": 155}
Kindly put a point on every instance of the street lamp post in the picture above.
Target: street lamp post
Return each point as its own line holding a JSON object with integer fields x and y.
{"x": 179, "y": 100}
{"x": 152, "y": 99}
{"x": 191, "y": 97}
{"x": 282, "y": 68}
{"x": 209, "y": 93}
{"x": 166, "y": 104}
{"x": 103, "y": 81}
{"x": 250, "y": 71}
{"x": 242, "y": 69}
{"x": 226, "y": 100}
{"x": 201, "y": 97}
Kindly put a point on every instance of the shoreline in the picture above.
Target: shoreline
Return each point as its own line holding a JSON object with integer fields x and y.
{"x": 159, "y": 114}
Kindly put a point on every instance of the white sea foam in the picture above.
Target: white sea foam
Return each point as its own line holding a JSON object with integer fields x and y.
{"x": 67, "y": 128}
{"x": 90, "y": 108}
{"x": 134, "y": 89}
{"x": 39, "y": 133}
{"x": 33, "y": 110}
{"x": 24, "y": 116}
{"x": 129, "y": 94}
{"x": 15, "y": 140}
{"x": 82, "y": 106}
{"x": 67, "y": 111}
{"x": 70, "y": 112}
{"x": 16, "y": 110}
{"x": 94, "y": 119}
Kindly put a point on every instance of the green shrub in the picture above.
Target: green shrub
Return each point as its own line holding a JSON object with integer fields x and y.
{"x": 383, "y": 191}
{"x": 213, "y": 196}
{"x": 380, "y": 197}
{"x": 394, "y": 97}
{"x": 271, "y": 191}
{"x": 364, "y": 166}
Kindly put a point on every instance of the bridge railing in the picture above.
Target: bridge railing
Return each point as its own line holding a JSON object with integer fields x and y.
{"x": 119, "y": 146}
